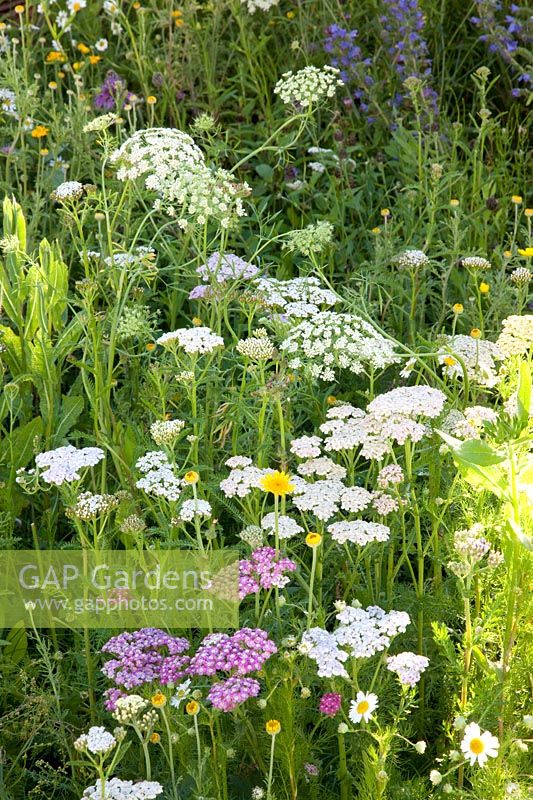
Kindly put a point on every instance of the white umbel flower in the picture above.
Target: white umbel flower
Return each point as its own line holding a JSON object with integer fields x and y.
{"x": 195, "y": 341}
{"x": 478, "y": 747}
{"x": 308, "y": 86}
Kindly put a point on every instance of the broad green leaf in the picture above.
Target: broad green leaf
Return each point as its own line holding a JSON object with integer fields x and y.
{"x": 16, "y": 449}
{"x": 71, "y": 408}
{"x": 17, "y": 645}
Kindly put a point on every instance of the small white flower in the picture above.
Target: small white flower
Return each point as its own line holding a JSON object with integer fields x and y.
{"x": 420, "y": 747}
{"x": 363, "y": 706}
{"x": 435, "y": 777}
{"x": 477, "y": 746}
{"x": 182, "y": 692}
{"x": 101, "y": 45}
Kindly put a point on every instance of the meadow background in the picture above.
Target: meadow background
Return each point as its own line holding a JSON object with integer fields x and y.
{"x": 295, "y": 237}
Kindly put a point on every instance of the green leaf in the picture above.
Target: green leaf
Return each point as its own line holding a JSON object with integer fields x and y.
{"x": 16, "y": 449}
{"x": 17, "y": 645}
{"x": 264, "y": 171}
{"x": 71, "y": 408}
{"x": 524, "y": 394}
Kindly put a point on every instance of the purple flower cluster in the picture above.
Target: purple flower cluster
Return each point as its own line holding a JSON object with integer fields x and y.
{"x": 507, "y": 29}
{"x": 244, "y": 652}
{"x": 240, "y": 654}
{"x": 229, "y": 694}
{"x": 346, "y": 54}
{"x": 330, "y": 703}
{"x": 145, "y": 656}
{"x": 402, "y": 29}
{"x": 113, "y": 93}
{"x": 151, "y": 655}
{"x": 264, "y": 569}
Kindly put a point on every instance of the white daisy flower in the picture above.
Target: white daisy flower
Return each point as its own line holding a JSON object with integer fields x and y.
{"x": 363, "y": 706}
{"x": 182, "y": 692}
{"x": 478, "y": 746}
{"x": 101, "y": 45}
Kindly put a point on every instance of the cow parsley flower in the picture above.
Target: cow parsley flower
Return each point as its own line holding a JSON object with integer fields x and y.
{"x": 68, "y": 190}
{"x": 296, "y": 298}
{"x": 194, "y": 508}
{"x": 314, "y": 238}
{"x": 308, "y": 86}
{"x": 259, "y": 5}
{"x": 412, "y": 260}
{"x": 287, "y": 527}
{"x": 330, "y": 341}
{"x": 158, "y": 478}
{"x": 479, "y": 357}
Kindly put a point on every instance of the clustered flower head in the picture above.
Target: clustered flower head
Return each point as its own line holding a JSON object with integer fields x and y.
{"x": 89, "y": 505}
{"x": 136, "y": 322}
{"x": 224, "y": 267}
{"x": 117, "y": 789}
{"x": 516, "y": 337}
{"x": 288, "y": 528}
{"x": 521, "y": 276}
{"x": 68, "y": 190}
{"x": 361, "y": 634}
{"x": 412, "y": 260}
{"x": 64, "y": 464}
{"x": 132, "y": 709}
{"x": 174, "y": 167}
{"x": 145, "y": 656}
{"x": 96, "y": 740}
{"x": 243, "y": 477}
{"x": 297, "y": 298}
{"x": 330, "y": 703}
{"x": 331, "y": 341}
{"x": 479, "y": 357}
{"x": 264, "y": 569}
{"x": 165, "y": 432}
{"x": 308, "y": 86}
{"x": 408, "y": 667}
{"x": 358, "y": 532}
{"x": 259, "y": 5}
{"x": 194, "y": 341}
{"x": 256, "y": 348}
{"x": 314, "y": 238}
{"x": 475, "y": 263}
{"x": 194, "y": 508}
{"x": 159, "y": 478}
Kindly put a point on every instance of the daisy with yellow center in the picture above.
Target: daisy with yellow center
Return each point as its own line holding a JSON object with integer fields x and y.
{"x": 273, "y": 727}
{"x": 479, "y": 746}
{"x": 278, "y": 483}
{"x": 158, "y": 700}
{"x": 449, "y": 361}
{"x": 363, "y": 707}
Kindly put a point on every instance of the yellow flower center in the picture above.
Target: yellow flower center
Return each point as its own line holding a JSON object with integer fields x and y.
{"x": 313, "y": 539}
{"x": 191, "y": 477}
{"x": 192, "y": 708}
{"x": 159, "y": 700}
{"x": 363, "y": 707}
{"x": 279, "y": 483}
{"x": 476, "y": 745}
{"x": 449, "y": 361}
